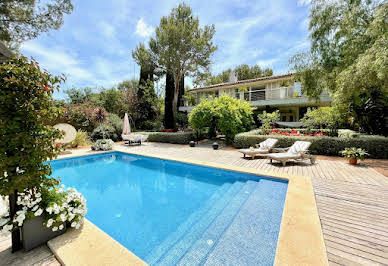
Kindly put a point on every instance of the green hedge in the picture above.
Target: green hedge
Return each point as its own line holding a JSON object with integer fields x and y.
{"x": 376, "y": 146}
{"x": 171, "y": 137}
{"x": 301, "y": 130}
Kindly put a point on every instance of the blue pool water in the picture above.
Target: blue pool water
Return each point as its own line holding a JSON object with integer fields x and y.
{"x": 174, "y": 213}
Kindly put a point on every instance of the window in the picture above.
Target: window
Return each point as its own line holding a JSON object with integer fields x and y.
{"x": 284, "y": 118}
{"x": 246, "y": 96}
{"x": 216, "y": 94}
{"x": 291, "y": 118}
{"x": 236, "y": 93}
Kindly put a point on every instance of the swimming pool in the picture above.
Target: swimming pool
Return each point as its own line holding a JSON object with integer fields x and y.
{"x": 169, "y": 212}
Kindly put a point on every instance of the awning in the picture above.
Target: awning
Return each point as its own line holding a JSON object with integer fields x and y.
{"x": 289, "y": 124}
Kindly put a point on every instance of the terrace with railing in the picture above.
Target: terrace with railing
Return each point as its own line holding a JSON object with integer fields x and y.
{"x": 271, "y": 94}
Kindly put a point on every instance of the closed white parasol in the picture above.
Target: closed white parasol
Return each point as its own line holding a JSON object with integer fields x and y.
{"x": 68, "y": 131}
{"x": 126, "y": 126}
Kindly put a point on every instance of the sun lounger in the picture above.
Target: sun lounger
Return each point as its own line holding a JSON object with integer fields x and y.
{"x": 263, "y": 148}
{"x": 133, "y": 138}
{"x": 298, "y": 151}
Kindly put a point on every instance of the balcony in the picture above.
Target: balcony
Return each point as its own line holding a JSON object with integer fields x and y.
{"x": 271, "y": 94}
{"x": 275, "y": 96}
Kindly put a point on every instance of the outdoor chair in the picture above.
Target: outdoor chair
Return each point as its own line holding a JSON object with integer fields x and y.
{"x": 133, "y": 139}
{"x": 298, "y": 151}
{"x": 263, "y": 148}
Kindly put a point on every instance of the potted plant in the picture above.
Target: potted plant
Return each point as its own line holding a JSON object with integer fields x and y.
{"x": 45, "y": 214}
{"x": 354, "y": 154}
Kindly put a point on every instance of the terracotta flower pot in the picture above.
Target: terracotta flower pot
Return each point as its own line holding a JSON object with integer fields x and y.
{"x": 352, "y": 161}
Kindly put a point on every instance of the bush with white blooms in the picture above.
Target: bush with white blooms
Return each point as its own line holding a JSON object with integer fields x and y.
{"x": 57, "y": 205}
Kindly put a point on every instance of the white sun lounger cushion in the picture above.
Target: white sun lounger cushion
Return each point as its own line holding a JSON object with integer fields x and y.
{"x": 299, "y": 147}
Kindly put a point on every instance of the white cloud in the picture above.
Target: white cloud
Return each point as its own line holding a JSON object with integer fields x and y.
{"x": 57, "y": 60}
{"x": 143, "y": 30}
{"x": 304, "y": 2}
{"x": 267, "y": 62}
{"x": 107, "y": 30}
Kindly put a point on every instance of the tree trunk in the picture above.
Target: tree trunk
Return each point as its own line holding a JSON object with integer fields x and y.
{"x": 181, "y": 91}
{"x": 13, "y": 208}
{"x": 168, "y": 101}
{"x": 174, "y": 104}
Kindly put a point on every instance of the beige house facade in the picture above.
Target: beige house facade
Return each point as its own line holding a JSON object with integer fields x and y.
{"x": 268, "y": 93}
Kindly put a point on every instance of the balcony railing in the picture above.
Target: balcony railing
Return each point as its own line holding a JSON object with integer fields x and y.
{"x": 266, "y": 94}
{"x": 270, "y": 94}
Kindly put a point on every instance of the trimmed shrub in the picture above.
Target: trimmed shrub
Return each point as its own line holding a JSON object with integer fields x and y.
{"x": 332, "y": 146}
{"x": 104, "y": 131}
{"x": 171, "y": 137}
{"x": 103, "y": 145}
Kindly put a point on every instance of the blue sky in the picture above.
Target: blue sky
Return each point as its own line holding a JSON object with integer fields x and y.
{"x": 93, "y": 47}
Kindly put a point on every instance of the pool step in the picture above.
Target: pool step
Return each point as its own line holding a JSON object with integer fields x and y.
{"x": 251, "y": 238}
{"x": 155, "y": 254}
{"x": 178, "y": 250}
{"x": 209, "y": 238}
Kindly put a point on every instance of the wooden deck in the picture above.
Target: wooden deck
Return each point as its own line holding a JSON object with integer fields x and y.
{"x": 352, "y": 203}
{"x": 41, "y": 256}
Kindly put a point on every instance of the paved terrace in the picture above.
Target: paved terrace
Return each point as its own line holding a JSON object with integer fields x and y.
{"x": 352, "y": 204}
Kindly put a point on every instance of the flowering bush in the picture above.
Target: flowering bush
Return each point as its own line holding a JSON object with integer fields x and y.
{"x": 294, "y": 132}
{"x": 58, "y": 206}
{"x": 103, "y": 145}
{"x": 84, "y": 116}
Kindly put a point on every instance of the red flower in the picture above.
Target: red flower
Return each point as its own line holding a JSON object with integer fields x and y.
{"x": 57, "y": 145}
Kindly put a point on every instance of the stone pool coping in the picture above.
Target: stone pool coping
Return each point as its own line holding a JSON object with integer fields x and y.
{"x": 300, "y": 240}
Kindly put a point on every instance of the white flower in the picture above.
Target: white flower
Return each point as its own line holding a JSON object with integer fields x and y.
{"x": 55, "y": 228}
{"x": 61, "y": 227}
{"x": 5, "y": 174}
{"x": 71, "y": 217}
{"x": 77, "y": 226}
{"x": 35, "y": 208}
{"x": 73, "y": 224}
{"x": 63, "y": 217}
{"x": 38, "y": 212}
{"x": 50, "y": 222}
